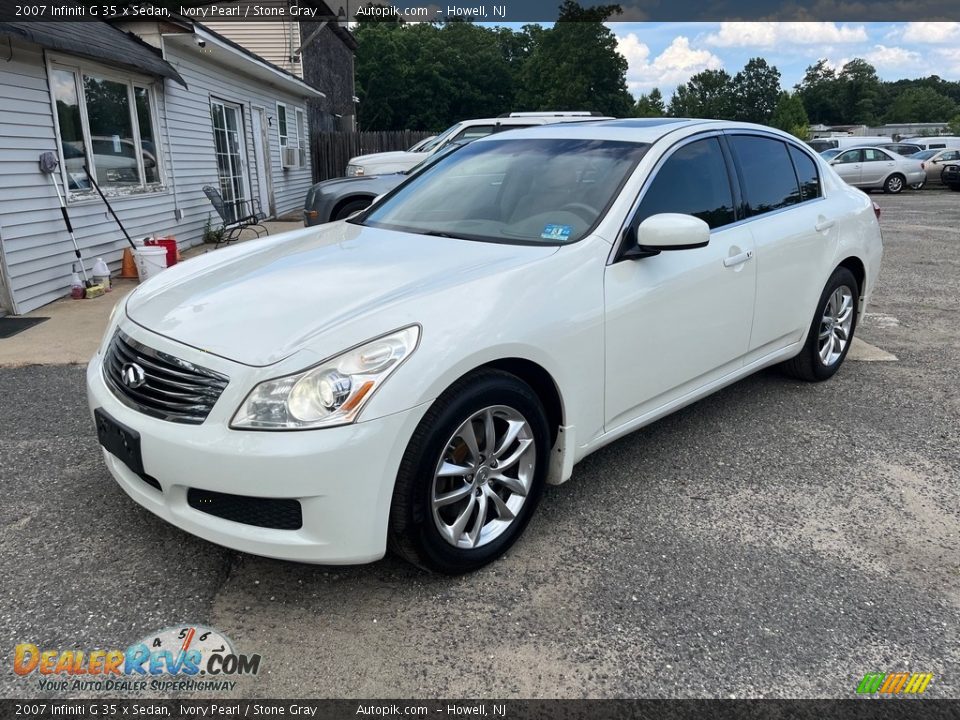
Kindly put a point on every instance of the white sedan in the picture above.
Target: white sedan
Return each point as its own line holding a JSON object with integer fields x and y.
{"x": 872, "y": 168}
{"x": 412, "y": 377}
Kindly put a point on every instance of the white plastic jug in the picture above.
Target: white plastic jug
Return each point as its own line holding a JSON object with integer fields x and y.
{"x": 150, "y": 261}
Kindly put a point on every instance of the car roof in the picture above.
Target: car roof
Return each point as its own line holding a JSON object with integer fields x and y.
{"x": 640, "y": 130}
{"x": 528, "y": 120}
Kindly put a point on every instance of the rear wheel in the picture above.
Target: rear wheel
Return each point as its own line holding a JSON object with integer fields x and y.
{"x": 955, "y": 188}
{"x": 472, "y": 474}
{"x": 831, "y": 331}
{"x": 894, "y": 184}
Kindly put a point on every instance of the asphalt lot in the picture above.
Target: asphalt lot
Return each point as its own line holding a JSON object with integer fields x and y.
{"x": 776, "y": 539}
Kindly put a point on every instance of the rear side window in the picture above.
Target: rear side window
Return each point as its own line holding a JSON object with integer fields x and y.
{"x": 473, "y": 132}
{"x": 769, "y": 182}
{"x": 806, "y": 173}
{"x": 873, "y": 155}
{"x": 693, "y": 181}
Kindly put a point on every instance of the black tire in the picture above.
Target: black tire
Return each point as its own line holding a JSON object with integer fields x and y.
{"x": 413, "y": 533}
{"x": 894, "y": 184}
{"x": 955, "y": 188}
{"x": 808, "y": 365}
{"x": 349, "y": 208}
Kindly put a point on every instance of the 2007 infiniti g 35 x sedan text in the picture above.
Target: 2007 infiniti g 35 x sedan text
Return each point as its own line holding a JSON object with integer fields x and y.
{"x": 412, "y": 377}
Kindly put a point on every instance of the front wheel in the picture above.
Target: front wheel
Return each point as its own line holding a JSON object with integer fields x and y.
{"x": 918, "y": 186}
{"x": 831, "y": 331}
{"x": 894, "y": 184}
{"x": 472, "y": 474}
{"x": 349, "y": 208}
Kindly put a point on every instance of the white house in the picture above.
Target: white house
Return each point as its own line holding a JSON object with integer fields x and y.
{"x": 157, "y": 110}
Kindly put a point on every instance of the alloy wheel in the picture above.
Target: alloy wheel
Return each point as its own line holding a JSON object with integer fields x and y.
{"x": 483, "y": 477}
{"x": 836, "y": 325}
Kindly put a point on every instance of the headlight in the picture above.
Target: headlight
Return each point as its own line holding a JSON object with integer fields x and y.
{"x": 332, "y": 393}
{"x": 354, "y": 170}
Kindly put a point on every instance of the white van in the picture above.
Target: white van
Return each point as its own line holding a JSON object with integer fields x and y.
{"x": 848, "y": 141}
{"x": 935, "y": 142}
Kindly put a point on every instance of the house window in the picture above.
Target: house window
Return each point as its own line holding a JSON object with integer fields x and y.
{"x": 282, "y": 123}
{"x": 106, "y": 123}
{"x": 302, "y": 137}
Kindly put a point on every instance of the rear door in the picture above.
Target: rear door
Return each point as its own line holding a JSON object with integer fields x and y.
{"x": 794, "y": 234}
{"x": 849, "y": 165}
{"x": 876, "y": 166}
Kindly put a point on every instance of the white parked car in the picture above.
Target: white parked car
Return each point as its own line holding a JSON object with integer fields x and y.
{"x": 462, "y": 132}
{"x": 412, "y": 377}
{"x": 872, "y": 168}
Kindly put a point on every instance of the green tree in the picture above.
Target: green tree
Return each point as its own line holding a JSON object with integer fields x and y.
{"x": 954, "y": 125}
{"x": 820, "y": 93}
{"x": 791, "y": 116}
{"x": 708, "y": 94}
{"x": 756, "y": 90}
{"x": 650, "y": 105}
{"x": 860, "y": 92}
{"x": 575, "y": 64}
{"x": 920, "y": 104}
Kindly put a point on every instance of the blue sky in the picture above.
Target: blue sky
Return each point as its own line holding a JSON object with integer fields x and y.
{"x": 666, "y": 54}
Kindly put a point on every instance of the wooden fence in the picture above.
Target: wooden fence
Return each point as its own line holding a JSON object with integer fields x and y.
{"x": 331, "y": 151}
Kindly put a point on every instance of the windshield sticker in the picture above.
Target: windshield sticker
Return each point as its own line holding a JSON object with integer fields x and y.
{"x": 560, "y": 233}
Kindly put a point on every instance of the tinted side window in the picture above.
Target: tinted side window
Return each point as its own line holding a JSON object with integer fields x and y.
{"x": 807, "y": 174}
{"x": 769, "y": 181}
{"x": 693, "y": 181}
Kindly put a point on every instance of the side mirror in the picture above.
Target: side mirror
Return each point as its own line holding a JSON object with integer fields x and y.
{"x": 672, "y": 231}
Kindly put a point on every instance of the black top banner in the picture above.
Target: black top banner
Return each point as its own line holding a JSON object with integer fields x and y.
{"x": 490, "y": 11}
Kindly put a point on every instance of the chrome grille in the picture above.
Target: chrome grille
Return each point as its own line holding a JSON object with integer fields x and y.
{"x": 169, "y": 388}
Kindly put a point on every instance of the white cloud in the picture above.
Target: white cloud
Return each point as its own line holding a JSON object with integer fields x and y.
{"x": 772, "y": 34}
{"x": 675, "y": 65}
{"x": 948, "y": 63}
{"x": 893, "y": 58}
{"x": 931, "y": 32}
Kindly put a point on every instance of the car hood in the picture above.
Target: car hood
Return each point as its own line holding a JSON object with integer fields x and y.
{"x": 384, "y": 158}
{"x": 260, "y": 302}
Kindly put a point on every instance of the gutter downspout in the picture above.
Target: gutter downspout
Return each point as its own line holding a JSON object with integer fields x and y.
{"x": 177, "y": 211}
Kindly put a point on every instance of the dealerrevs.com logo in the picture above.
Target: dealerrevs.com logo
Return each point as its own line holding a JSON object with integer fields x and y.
{"x": 894, "y": 683}
{"x": 185, "y": 658}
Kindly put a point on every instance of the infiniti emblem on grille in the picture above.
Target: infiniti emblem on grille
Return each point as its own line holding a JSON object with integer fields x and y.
{"x": 132, "y": 375}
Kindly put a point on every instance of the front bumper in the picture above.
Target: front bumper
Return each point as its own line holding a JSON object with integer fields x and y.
{"x": 342, "y": 477}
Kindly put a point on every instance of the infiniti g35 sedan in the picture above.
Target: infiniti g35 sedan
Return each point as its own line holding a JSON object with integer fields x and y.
{"x": 412, "y": 378}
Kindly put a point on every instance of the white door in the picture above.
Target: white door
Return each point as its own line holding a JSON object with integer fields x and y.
{"x": 681, "y": 319}
{"x": 261, "y": 150}
{"x": 793, "y": 237}
{"x": 231, "y": 149}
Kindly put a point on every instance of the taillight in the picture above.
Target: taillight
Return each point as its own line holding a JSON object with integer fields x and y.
{"x": 876, "y": 210}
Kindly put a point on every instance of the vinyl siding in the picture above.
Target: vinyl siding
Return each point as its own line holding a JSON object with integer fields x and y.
{"x": 36, "y": 247}
{"x": 273, "y": 41}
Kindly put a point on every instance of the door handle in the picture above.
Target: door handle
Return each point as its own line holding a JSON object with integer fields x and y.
{"x": 735, "y": 260}
{"x": 824, "y": 225}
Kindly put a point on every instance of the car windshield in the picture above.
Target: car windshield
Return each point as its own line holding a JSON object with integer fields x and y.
{"x": 439, "y": 139}
{"x": 925, "y": 155}
{"x": 431, "y": 159}
{"x": 520, "y": 191}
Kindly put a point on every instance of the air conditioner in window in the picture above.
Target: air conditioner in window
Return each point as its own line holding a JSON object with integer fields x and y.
{"x": 303, "y": 157}
{"x": 289, "y": 157}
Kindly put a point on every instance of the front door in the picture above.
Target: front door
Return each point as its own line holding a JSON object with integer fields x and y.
{"x": 230, "y": 145}
{"x": 681, "y": 319}
{"x": 849, "y": 165}
{"x": 261, "y": 152}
